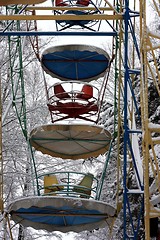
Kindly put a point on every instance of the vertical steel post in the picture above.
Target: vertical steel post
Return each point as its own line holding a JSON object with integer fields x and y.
{"x": 1, "y": 159}
{"x": 144, "y": 110}
{"x": 126, "y": 74}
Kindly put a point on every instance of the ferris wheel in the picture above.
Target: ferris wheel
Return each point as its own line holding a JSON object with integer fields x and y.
{"x": 67, "y": 200}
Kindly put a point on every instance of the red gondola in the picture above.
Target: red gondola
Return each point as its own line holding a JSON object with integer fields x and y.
{"x": 72, "y": 103}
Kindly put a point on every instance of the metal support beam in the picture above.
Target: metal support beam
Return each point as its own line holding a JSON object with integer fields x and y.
{"x": 62, "y": 17}
{"x": 25, "y": 33}
{"x": 1, "y": 159}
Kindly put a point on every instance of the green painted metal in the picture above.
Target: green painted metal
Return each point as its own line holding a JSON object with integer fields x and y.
{"x": 100, "y": 186}
{"x": 17, "y": 78}
{"x": 18, "y": 84}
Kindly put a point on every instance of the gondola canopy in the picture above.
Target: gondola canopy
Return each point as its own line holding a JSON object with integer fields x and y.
{"x": 54, "y": 213}
{"x": 70, "y": 141}
{"x": 75, "y": 62}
